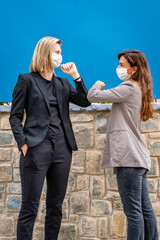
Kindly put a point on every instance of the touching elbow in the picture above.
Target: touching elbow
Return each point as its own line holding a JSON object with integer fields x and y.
{"x": 85, "y": 104}
{"x": 90, "y": 98}
{"x": 88, "y": 104}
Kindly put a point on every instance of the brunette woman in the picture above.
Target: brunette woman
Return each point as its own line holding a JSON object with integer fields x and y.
{"x": 125, "y": 149}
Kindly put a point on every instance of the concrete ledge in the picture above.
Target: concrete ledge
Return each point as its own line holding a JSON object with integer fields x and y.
{"x": 93, "y": 107}
{"x": 5, "y": 108}
{"x": 156, "y": 106}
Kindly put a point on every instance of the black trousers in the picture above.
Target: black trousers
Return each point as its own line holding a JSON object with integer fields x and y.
{"x": 51, "y": 159}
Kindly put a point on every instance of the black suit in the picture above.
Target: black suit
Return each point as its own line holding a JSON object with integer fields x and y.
{"x": 49, "y": 154}
{"x": 31, "y": 95}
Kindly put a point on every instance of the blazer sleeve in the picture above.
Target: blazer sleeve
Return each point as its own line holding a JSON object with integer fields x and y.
{"x": 17, "y": 111}
{"x": 118, "y": 94}
{"x": 78, "y": 96}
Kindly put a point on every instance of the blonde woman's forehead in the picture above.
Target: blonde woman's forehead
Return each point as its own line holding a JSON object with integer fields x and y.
{"x": 57, "y": 48}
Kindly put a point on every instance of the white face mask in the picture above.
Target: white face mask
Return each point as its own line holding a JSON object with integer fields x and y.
{"x": 57, "y": 60}
{"x": 122, "y": 73}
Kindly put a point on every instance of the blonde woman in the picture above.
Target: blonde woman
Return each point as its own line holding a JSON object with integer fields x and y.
{"x": 125, "y": 149}
{"x": 46, "y": 141}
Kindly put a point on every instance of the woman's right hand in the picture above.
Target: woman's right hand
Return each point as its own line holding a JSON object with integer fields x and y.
{"x": 102, "y": 84}
{"x": 24, "y": 149}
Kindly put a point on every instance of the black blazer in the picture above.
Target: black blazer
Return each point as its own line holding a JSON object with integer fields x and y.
{"x": 30, "y": 95}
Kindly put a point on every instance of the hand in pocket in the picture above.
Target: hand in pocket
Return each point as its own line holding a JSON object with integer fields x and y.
{"x": 24, "y": 149}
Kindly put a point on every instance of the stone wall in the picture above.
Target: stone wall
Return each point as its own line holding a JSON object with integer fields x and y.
{"x": 92, "y": 208}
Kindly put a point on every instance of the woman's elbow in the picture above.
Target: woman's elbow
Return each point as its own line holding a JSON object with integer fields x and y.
{"x": 85, "y": 103}
{"x": 90, "y": 98}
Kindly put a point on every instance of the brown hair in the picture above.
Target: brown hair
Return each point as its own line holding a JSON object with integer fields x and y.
{"x": 143, "y": 78}
{"x": 42, "y": 56}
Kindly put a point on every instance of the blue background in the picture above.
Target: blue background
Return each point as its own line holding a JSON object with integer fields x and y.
{"x": 92, "y": 33}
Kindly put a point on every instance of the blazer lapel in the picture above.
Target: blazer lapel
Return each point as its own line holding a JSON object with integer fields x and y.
{"x": 41, "y": 86}
{"x": 58, "y": 88}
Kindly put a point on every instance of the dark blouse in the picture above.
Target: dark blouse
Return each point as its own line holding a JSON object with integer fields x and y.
{"x": 55, "y": 123}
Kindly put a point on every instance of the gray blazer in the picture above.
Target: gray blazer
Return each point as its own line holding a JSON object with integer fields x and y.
{"x": 124, "y": 144}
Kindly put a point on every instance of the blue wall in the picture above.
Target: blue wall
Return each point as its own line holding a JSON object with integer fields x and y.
{"x": 92, "y": 33}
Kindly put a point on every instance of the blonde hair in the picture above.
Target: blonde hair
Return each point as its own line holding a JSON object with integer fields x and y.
{"x": 42, "y": 56}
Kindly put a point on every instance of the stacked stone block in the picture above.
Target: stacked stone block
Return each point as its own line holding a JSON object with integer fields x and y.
{"x": 92, "y": 209}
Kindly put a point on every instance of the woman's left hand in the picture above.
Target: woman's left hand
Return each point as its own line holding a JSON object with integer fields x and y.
{"x": 70, "y": 68}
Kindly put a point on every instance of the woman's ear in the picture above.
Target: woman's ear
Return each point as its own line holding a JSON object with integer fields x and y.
{"x": 135, "y": 68}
